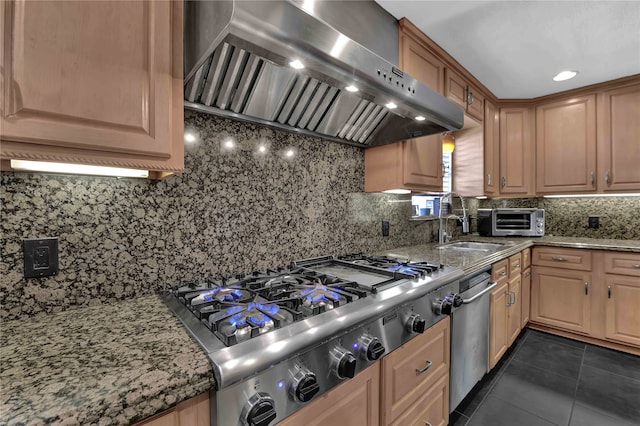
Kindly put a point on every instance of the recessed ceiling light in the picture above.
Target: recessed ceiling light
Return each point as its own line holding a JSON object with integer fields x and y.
{"x": 391, "y": 105}
{"x": 229, "y": 144}
{"x": 351, "y": 88}
{"x": 565, "y": 75}
{"x": 289, "y": 153}
{"x": 262, "y": 148}
{"x": 420, "y": 118}
{"x": 296, "y": 64}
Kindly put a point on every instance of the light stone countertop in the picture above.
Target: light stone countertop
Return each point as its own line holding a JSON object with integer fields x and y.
{"x": 471, "y": 261}
{"x": 100, "y": 365}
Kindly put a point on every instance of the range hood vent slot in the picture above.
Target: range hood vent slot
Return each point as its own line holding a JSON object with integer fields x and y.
{"x": 248, "y": 77}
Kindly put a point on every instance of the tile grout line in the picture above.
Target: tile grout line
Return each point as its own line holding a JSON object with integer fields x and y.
{"x": 575, "y": 392}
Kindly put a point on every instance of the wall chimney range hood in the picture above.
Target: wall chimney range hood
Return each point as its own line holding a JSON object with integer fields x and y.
{"x": 239, "y": 63}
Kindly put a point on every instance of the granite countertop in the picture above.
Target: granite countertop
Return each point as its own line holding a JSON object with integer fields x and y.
{"x": 471, "y": 261}
{"x": 103, "y": 365}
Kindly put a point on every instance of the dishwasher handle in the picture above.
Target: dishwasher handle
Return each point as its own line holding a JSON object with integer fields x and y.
{"x": 492, "y": 284}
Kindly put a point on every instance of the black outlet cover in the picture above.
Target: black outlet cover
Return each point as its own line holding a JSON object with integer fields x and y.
{"x": 385, "y": 228}
{"x": 40, "y": 257}
{"x": 594, "y": 222}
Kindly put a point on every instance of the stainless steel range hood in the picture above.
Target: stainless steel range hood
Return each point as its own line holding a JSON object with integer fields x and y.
{"x": 237, "y": 64}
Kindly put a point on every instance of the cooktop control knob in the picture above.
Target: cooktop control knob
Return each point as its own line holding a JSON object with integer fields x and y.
{"x": 260, "y": 410}
{"x": 457, "y": 300}
{"x": 343, "y": 363}
{"x": 442, "y": 306}
{"x": 415, "y": 324}
{"x": 371, "y": 348}
{"x": 304, "y": 386}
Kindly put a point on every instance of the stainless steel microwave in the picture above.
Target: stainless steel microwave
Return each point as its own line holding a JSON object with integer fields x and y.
{"x": 507, "y": 222}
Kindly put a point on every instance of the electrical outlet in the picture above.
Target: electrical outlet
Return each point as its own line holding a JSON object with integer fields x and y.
{"x": 40, "y": 257}
{"x": 385, "y": 228}
{"x": 594, "y": 222}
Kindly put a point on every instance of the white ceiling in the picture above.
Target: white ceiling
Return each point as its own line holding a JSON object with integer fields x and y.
{"x": 516, "y": 47}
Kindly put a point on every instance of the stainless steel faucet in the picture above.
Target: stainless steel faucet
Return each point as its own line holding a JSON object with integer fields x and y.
{"x": 443, "y": 236}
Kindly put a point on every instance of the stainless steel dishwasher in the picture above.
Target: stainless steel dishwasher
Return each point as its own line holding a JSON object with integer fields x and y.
{"x": 470, "y": 336}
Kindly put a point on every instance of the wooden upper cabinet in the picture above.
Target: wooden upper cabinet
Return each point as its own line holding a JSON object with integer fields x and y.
{"x": 516, "y": 151}
{"x": 566, "y": 146}
{"x": 460, "y": 92}
{"x": 417, "y": 60}
{"x": 93, "y": 82}
{"x": 619, "y": 139}
{"x": 491, "y": 149}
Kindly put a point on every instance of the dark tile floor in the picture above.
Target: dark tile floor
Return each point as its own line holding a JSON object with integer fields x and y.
{"x": 546, "y": 380}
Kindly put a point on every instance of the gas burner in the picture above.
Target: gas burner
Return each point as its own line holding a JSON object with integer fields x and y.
{"x": 218, "y": 294}
{"x": 233, "y": 324}
{"x": 318, "y": 298}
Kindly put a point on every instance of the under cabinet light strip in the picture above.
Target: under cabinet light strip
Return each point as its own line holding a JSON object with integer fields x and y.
{"x": 592, "y": 195}
{"x": 76, "y": 169}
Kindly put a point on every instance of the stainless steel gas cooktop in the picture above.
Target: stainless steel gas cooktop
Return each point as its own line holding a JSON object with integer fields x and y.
{"x": 278, "y": 338}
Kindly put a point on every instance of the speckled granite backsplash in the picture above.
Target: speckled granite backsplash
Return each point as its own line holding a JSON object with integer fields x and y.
{"x": 234, "y": 209}
{"x": 568, "y": 217}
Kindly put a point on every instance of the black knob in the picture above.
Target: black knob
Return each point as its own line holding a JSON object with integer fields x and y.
{"x": 416, "y": 324}
{"x": 442, "y": 307}
{"x": 305, "y": 386}
{"x": 260, "y": 410}
{"x": 457, "y": 301}
{"x": 347, "y": 366}
{"x": 375, "y": 350}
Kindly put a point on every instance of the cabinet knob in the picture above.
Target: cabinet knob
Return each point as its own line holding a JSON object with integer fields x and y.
{"x": 593, "y": 179}
{"x": 607, "y": 178}
{"x": 586, "y": 288}
{"x": 504, "y": 181}
{"x": 488, "y": 178}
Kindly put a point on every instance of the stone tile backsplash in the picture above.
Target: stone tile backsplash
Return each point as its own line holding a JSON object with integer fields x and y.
{"x": 235, "y": 209}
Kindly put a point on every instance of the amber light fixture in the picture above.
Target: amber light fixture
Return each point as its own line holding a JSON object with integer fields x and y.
{"x": 448, "y": 143}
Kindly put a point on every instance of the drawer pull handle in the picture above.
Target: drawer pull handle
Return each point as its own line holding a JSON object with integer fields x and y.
{"x": 637, "y": 265}
{"x": 609, "y": 291}
{"x": 427, "y": 424}
{"x": 425, "y": 368}
{"x": 559, "y": 259}
{"x": 526, "y": 274}
{"x": 593, "y": 179}
{"x": 586, "y": 288}
{"x": 517, "y": 265}
{"x": 503, "y": 273}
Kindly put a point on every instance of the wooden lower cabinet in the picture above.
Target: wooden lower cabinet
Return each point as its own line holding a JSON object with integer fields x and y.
{"x": 560, "y": 298}
{"x": 355, "y": 402}
{"x": 431, "y": 408}
{"x": 514, "y": 309}
{"x": 192, "y": 412}
{"x": 498, "y": 343}
{"x": 403, "y": 385}
{"x": 622, "y": 322}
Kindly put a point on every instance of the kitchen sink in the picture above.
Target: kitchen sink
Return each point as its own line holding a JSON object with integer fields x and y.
{"x": 471, "y": 245}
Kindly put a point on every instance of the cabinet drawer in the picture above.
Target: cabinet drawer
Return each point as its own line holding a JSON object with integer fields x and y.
{"x": 402, "y": 383}
{"x": 622, "y": 263}
{"x": 431, "y": 408}
{"x": 564, "y": 258}
{"x": 515, "y": 265}
{"x": 500, "y": 271}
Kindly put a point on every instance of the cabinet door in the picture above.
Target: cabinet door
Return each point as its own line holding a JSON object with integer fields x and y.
{"x": 498, "y": 343}
{"x": 93, "y": 81}
{"x": 618, "y": 139}
{"x": 192, "y": 412}
{"x": 516, "y": 151}
{"x": 405, "y": 378}
{"x": 514, "y": 311}
{"x": 353, "y": 402}
{"x": 561, "y": 298}
{"x": 475, "y": 106}
{"x": 491, "y": 149}
{"x": 422, "y": 159}
{"x": 432, "y": 408}
{"x": 623, "y": 309}
{"x": 526, "y": 296}
{"x": 420, "y": 63}
{"x": 566, "y": 146}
